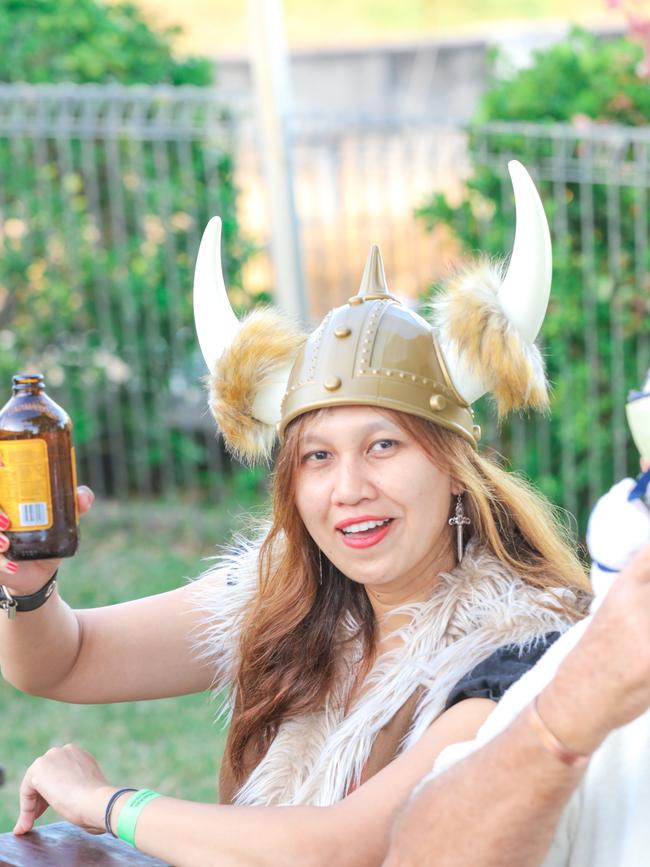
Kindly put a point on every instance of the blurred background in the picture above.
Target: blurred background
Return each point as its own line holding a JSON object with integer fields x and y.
{"x": 313, "y": 130}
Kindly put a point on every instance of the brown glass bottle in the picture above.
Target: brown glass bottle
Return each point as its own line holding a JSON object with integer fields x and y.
{"x": 37, "y": 473}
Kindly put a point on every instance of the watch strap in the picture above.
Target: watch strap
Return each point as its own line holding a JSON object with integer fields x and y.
{"x": 13, "y": 604}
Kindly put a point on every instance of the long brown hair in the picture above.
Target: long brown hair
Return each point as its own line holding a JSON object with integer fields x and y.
{"x": 292, "y": 636}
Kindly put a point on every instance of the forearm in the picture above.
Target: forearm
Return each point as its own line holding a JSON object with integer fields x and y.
{"x": 189, "y": 834}
{"x": 39, "y": 648}
{"x": 498, "y": 806}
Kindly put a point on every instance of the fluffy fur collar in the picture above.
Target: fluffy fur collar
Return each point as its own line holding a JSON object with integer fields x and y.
{"x": 476, "y": 608}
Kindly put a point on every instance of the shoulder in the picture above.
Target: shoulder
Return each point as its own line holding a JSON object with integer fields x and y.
{"x": 497, "y": 672}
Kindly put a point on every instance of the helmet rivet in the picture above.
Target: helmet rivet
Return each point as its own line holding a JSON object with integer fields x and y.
{"x": 437, "y": 402}
{"x": 476, "y": 432}
{"x": 343, "y": 332}
{"x": 332, "y": 383}
{"x": 375, "y": 371}
{"x": 356, "y": 299}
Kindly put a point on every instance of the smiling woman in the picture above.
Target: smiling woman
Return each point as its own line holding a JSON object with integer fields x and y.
{"x": 404, "y": 582}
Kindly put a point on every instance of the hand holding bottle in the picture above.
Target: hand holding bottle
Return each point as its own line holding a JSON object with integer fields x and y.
{"x": 28, "y": 576}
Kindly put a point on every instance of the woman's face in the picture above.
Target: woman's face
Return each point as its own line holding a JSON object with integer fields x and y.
{"x": 374, "y": 502}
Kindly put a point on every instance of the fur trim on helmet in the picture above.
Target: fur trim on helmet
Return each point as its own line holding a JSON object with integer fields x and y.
{"x": 266, "y": 341}
{"x": 468, "y": 314}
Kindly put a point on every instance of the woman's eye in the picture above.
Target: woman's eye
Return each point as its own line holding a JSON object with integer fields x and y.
{"x": 383, "y": 445}
{"x": 316, "y": 456}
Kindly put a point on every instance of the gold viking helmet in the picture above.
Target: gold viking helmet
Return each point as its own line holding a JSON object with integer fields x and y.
{"x": 374, "y": 351}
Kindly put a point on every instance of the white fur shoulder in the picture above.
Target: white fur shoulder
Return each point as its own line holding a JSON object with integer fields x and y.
{"x": 475, "y": 609}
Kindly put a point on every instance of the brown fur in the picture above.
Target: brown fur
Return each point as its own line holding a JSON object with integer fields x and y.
{"x": 469, "y": 313}
{"x": 266, "y": 341}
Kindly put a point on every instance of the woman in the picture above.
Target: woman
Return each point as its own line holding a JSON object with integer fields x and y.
{"x": 403, "y": 583}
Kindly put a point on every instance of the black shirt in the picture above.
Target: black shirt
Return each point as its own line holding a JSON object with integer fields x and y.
{"x": 492, "y": 677}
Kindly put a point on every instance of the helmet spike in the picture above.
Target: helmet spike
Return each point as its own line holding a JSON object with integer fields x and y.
{"x": 373, "y": 280}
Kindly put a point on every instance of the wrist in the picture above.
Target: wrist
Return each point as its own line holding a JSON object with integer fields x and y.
{"x": 12, "y": 603}
{"x": 577, "y": 729}
{"x": 94, "y": 805}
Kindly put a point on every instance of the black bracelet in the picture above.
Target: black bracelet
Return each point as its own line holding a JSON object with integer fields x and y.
{"x": 12, "y": 604}
{"x": 109, "y": 809}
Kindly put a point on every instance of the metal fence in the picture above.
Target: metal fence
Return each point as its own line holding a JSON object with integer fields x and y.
{"x": 103, "y": 195}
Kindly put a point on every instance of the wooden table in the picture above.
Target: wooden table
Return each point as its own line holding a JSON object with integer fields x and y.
{"x": 64, "y": 845}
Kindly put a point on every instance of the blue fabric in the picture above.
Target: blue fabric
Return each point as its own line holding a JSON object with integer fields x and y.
{"x": 604, "y": 568}
{"x": 492, "y": 677}
{"x": 640, "y": 488}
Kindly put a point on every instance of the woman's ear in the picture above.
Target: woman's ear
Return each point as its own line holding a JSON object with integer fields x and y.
{"x": 456, "y": 488}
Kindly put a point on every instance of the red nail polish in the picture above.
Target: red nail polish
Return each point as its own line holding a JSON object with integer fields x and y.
{"x": 11, "y": 567}
{"x": 4, "y": 522}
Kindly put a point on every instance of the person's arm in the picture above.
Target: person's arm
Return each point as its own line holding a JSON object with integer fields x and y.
{"x": 136, "y": 650}
{"x": 500, "y": 805}
{"x": 353, "y": 833}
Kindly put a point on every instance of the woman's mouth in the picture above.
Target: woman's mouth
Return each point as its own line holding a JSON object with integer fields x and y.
{"x": 365, "y": 533}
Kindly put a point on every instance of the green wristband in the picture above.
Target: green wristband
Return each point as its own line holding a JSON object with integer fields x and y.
{"x": 130, "y": 813}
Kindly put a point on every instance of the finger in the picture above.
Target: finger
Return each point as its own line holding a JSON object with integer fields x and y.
{"x": 4, "y": 542}
{"x": 4, "y": 520}
{"x": 32, "y": 806}
{"x": 8, "y": 567}
{"x": 85, "y": 498}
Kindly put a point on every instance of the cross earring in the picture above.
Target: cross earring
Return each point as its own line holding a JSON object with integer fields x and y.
{"x": 459, "y": 520}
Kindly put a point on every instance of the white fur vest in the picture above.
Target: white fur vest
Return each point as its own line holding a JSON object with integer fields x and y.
{"x": 476, "y": 608}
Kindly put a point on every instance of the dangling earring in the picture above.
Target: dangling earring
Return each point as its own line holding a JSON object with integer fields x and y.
{"x": 459, "y": 519}
{"x": 320, "y": 567}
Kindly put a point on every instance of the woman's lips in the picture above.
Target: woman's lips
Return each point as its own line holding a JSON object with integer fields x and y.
{"x": 368, "y": 538}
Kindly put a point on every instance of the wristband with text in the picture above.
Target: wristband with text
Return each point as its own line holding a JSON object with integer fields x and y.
{"x": 130, "y": 813}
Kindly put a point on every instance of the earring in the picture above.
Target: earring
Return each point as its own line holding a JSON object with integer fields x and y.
{"x": 459, "y": 519}
{"x": 320, "y": 567}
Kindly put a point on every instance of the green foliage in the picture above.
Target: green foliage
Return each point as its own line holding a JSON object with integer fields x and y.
{"x": 101, "y": 212}
{"x": 46, "y": 41}
{"x": 583, "y": 75}
{"x": 597, "y": 328}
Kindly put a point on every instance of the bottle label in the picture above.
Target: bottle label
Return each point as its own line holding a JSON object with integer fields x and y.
{"x": 25, "y": 493}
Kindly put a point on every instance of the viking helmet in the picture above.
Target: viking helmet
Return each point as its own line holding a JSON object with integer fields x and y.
{"x": 374, "y": 351}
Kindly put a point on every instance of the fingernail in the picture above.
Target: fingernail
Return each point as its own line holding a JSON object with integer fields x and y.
{"x": 11, "y": 567}
{"x": 87, "y": 491}
{"x": 4, "y": 522}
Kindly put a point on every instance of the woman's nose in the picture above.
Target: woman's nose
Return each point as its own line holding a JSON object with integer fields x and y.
{"x": 352, "y": 482}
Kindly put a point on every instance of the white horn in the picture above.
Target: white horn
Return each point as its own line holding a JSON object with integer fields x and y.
{"x": 525, "y": 289}
{"x": 217, "y": 326}
{"x": 214, "y": 319}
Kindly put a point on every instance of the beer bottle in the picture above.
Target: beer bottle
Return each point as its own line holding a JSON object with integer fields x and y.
{"x": 37, "y": 473}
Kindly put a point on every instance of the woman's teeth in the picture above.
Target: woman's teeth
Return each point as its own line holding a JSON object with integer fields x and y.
{"x": 362, "y": 526}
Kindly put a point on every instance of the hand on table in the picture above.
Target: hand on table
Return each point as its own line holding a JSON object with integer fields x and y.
{"x": 69, "y": 780}
{"x": 28, "y": 576}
